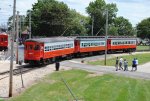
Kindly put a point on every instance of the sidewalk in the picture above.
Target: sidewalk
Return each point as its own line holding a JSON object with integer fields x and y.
{"x": 5, "y": 66}
{"x": 144, "y": 68}
{"x": 141, "y": 73}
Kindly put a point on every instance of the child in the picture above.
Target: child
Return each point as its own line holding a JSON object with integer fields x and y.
{"x": 125, "y": 65}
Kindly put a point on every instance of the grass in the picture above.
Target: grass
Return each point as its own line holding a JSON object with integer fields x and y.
{"x": 143, "y": 47}
{"x": 87, "y": 88}
{"x": 142, "y": 58}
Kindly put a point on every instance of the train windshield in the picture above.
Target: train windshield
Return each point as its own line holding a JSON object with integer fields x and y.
{"x": 37, "y": 47}
{"x": 28, "y": 47}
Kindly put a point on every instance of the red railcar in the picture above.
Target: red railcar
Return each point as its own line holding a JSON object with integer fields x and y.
{"x": 89, "y": 44}
{"x": 3, "y": 41}
{"x": 47, "y": 49}
{"x": 125, "y": 44}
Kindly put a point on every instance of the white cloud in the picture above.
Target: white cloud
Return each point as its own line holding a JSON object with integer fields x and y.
{"x": 78, "y": 5}
{"x": 134, "y": 10}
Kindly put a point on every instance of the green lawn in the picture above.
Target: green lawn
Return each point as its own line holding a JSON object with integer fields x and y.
{"x": 143, "y": 47}
{"x": 87, "y": 88}
{"x": 143, "y": 58}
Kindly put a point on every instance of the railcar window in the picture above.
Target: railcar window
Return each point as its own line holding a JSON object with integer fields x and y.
{"x": 103, "y": 43}
{"x": 46, "y": 48}
{"x": 5, "y": 39}
{"x": 37, "y": 47}
{"x": 30, "y": 47}
{"x": 26, "y": 47}
{"x": 2, "y": 39}
{"x": 52, "y": 47}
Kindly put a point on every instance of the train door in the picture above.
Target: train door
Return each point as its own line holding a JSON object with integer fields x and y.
{"x": 77, "y": 46}
{"x": 108, "y": 44}
{"x": 1, "y": 41}
{"x": 6, "y": 41}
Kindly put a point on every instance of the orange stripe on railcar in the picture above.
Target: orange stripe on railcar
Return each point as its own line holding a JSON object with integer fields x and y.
{"x": 92, "y": 49}
{"x": 122, "y": 47}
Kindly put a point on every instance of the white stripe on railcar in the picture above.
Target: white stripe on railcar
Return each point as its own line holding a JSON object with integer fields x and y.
{"x": 91, "y": 43}
{"x": 122, "y": 42}
{"x": 58, "y": 46}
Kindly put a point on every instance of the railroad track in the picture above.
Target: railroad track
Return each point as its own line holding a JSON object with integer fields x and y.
{"x": 18, "y": 71}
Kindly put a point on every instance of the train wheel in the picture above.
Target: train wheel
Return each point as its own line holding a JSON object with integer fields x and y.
{"x": 90, "y": 53}
{"x": 53, "y": 60}
{"x": 68, "y": 57}
{"x": 49, "y": 61}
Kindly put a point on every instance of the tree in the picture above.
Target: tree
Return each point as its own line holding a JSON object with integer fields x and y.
{"x": 123, "y": 27}
{"x": 77, "y": 24}
{"x": 113, "y": 30}
{"x": 10, "y": 22}
{"x": 3, "y": 28}
{"x": 143, "y": 29}
{"x": 97, "y": 10}
{"x": 53, "y": 18}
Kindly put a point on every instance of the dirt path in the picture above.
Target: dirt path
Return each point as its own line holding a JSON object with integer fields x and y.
{"x": 29, "y": 79}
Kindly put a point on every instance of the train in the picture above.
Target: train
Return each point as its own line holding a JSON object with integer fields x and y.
{"x": 47, "y": 50}
{"x": 3, "y": 41}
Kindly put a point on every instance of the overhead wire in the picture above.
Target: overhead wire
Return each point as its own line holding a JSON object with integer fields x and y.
{"x": 67, "y": 86}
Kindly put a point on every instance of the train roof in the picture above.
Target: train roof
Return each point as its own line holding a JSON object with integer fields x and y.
{"x": 103, "y": 37}
{"x": 3, "y": 33}
{"x": 121, "y": 37}
{"x": 71, "y": 38}
{"x": 51, "y": 39}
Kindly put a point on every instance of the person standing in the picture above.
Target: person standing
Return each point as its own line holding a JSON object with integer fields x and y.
{"x": 133, "y": 64}
{"x": 57, "y": 65}
{"x": 120, "y": 63}
{"x": 125, "y": 65}
{"x": 117, "y": 62}
{"x": 136, "y": 63}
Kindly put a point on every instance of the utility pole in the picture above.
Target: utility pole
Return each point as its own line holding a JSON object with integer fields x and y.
{"x": 106, "y": 36}
{"x": 12, "y": 51}
{"x": 30, "y": 25}
{"x": 17, "y": 36}
{"x": 20, "y": 19}
{"x": 92, "y": 24}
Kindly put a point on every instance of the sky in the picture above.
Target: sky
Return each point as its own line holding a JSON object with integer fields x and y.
{"x": 134, "y": 10}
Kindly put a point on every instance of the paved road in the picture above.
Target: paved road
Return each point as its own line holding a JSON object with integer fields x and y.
{"x": 75, "y": 64}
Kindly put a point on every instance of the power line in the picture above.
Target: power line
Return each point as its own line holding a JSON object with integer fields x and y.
{"x": 69, "y": 89}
